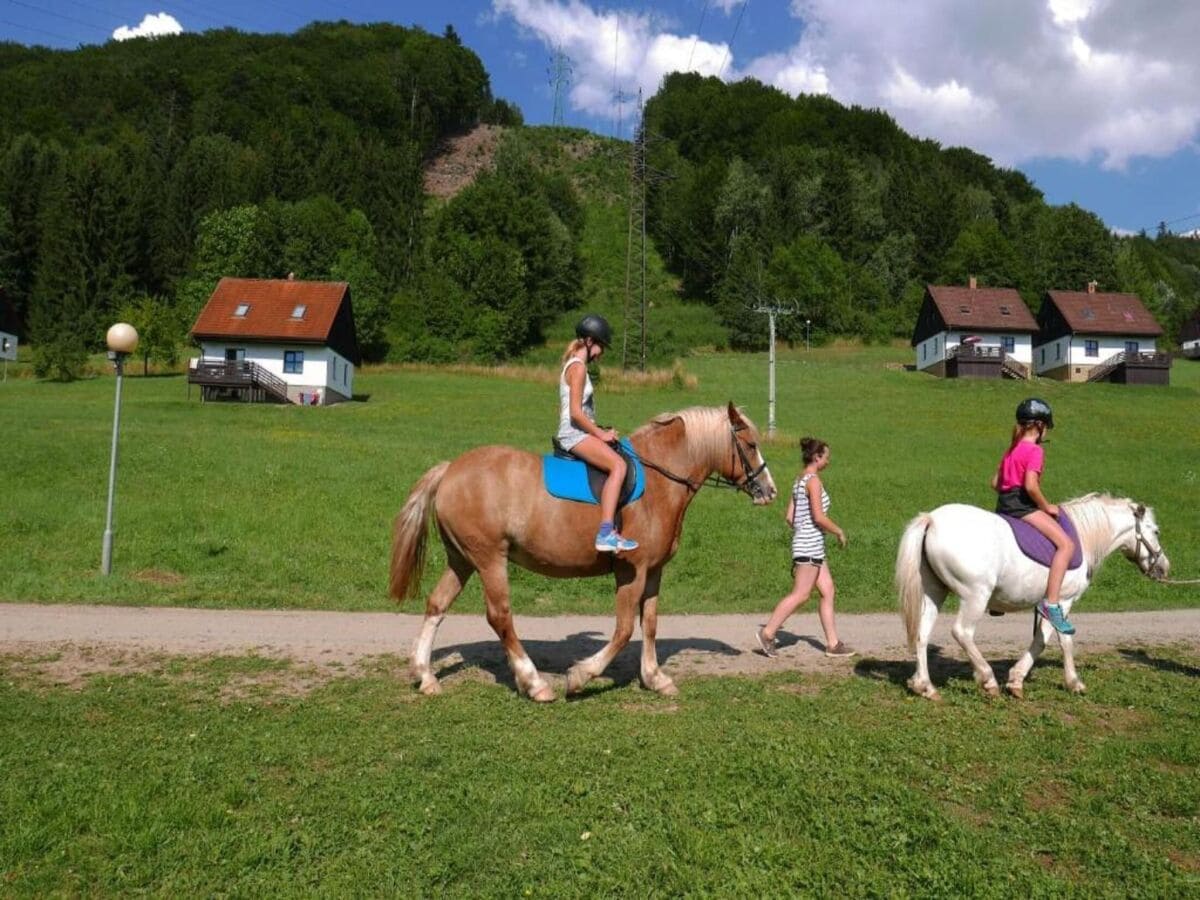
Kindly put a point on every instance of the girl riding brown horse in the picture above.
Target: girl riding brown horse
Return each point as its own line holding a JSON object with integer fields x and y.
{"x": 491, "y": 508}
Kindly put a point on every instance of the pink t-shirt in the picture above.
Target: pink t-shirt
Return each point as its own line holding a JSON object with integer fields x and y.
{"x": 1020, "y": 459}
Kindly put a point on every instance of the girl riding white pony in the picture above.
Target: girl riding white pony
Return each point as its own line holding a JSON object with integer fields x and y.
{"x": 967, "y": 551}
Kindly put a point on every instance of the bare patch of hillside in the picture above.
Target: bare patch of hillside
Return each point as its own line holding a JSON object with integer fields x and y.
{"x": 460, "y": 159}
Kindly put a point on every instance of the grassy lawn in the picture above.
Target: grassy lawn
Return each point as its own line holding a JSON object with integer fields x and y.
{"x": 266, "y": 506}
{"x": 201, "y": 778}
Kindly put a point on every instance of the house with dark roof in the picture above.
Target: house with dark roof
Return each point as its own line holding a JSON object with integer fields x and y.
{"x": 1097, "y": 336}
{"x": 282, "y": 341}
{"x": 1189, "y": 336}
{"x": 973, "y": 332}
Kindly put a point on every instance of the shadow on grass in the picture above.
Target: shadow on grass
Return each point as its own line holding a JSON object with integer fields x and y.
{"x": 942, "y": 668}
{"x": 556, "y": 657}
{"x": 1157, "y": 662}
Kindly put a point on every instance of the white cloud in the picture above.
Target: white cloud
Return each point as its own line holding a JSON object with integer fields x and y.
{"x": 1019, "y": 80}
{"x": 153, "y": 25}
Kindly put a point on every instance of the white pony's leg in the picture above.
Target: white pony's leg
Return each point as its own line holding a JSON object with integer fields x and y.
{"x": 970, "y": 610}
{"x": 1074, "y": 683}
{"x": 921, "y": 683}
{"x": 1018, "y": 673}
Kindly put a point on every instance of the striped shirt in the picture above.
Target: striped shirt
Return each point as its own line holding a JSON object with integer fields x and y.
{"x": 807, "y": 538}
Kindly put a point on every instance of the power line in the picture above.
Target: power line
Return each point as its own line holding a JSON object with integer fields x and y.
{"x": 736, "y": 26}
{"x": 53, "y": 34}
{"x": 559, "y": 72}
{"x": 58, "y": 15}
{"x": 699, "y": 28}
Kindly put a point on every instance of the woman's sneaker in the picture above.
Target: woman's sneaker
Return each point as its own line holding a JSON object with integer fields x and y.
{"x": 614, "y": 543}
{"x": 839, "y": 649}
{"x": 769, "y": 646}
{"x": 1055, "y": 616}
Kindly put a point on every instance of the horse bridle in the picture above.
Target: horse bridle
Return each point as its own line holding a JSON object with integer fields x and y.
{"x": 748, "y": 483}
{"x": 1153, "y": 554}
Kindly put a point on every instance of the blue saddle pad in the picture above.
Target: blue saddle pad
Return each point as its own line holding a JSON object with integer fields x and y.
{"x": 569, "y": 479}
{"x": 1040, "y": 548}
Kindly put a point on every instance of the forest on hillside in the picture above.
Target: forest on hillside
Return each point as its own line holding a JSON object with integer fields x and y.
{"x": 761, "y": 197}
{"x": 133, "y": 175}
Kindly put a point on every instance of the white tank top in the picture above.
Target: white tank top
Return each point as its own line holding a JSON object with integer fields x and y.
{"x": 568, "y": 434}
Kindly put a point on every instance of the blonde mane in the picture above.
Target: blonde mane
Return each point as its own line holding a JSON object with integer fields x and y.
{"x": 1089, "y": 514}
{"x": 707, "y": 429}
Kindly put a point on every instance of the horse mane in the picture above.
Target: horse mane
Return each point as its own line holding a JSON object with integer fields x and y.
{"x": 1089, "y": 513}
{"x": 707, "y": 428}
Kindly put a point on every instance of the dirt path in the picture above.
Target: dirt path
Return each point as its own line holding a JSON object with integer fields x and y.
{"x": 95, "y": 636}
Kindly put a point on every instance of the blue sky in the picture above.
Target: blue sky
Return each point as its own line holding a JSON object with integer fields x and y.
{"x": 1095, "y": 100}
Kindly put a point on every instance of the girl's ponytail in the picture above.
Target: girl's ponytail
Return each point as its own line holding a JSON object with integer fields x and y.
{"x": 572, "y": 347}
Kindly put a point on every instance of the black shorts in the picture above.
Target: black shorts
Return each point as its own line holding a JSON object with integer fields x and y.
{"x": 817, "y": 561}
{"x": 1016, "y": 503}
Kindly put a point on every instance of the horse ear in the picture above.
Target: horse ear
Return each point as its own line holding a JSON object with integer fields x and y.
{"x": 1139, "y": 510}
{"x": 735, "y": 416}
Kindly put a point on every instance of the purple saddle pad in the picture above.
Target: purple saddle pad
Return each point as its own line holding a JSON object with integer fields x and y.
{"x": 1040, "y": 548}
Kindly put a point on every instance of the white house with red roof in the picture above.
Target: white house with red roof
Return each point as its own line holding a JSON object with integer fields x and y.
{"x": 969, "y": 331}
{"x": 1094, "y": 335}
{"x": 276, "y": 341}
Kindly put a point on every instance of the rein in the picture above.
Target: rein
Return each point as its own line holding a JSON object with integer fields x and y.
{"x": 749, "y": 482}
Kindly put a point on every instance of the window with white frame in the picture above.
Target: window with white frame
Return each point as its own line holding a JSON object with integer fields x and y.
{"x": 1008, "y": 343}
{"x": 1091, "y": 348}
{"x": 1131, "y": 346}
{"x": 293, "y": 362}
{"x": 241, "y": 310}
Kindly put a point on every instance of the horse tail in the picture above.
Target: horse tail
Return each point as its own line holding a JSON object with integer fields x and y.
{"x": 410, "y": 532}
{"x": 908, "y": 575}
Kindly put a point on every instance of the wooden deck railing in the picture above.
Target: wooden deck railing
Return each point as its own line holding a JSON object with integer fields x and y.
{"x": 1145, "y": 360}
{"x": 237, "y": 373}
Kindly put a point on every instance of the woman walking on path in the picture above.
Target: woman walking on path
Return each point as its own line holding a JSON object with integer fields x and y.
{"x": 807, "y": 512}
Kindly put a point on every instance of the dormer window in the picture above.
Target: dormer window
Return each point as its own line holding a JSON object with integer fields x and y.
{"x": 242, "y": 309}
{"x": 1005, "y": 311}
{"x": 1088, "y": 313}
{"x": 963, "y": 308}
{"x": 1128, "y": 316}
{"x": 298, "y": 312}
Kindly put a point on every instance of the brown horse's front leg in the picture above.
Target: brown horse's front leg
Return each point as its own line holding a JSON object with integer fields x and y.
{"x": 499, "y": 615}
{"x": 653, "y": 678}
{"x": 630, "y": 583}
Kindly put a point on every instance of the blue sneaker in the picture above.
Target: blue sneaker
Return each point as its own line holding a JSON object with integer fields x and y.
{"x": 1054, "y": 615}
{"x": 614, "y": 543}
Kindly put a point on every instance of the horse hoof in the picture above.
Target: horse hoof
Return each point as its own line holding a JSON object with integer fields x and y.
{"x": 1077, "y": 688}
{"x": 991, "y": 689}
{"x": 543, "y": 693}
{"x": 577, "y": 680}
{"x": 666, "y": 688}
{"x": 430, "y": 686}
{"x": 1015, "y": 690}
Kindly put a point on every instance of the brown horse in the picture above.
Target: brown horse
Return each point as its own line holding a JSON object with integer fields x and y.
{"x": 491, "y": 508}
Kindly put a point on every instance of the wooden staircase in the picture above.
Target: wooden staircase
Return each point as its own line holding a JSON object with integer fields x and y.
{"x": 1011, "y": 368}
{"x": 249, "y": 382}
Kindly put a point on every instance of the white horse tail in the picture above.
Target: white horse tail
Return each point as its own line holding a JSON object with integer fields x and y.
{"x": 908, "y": 575}
{"x": 408, "y": 536}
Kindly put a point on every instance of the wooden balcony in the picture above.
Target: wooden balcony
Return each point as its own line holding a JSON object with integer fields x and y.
{"x": 236, "y": 380}
{"x": 1134, "y": 368}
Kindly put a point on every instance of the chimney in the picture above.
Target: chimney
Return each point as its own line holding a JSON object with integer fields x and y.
{"x": 1091, "y": 287}
{"x": 291, "y": 276}
{"x": 971, "y": 282}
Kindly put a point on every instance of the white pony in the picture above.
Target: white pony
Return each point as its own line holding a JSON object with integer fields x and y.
{"x": 966, "y": 551}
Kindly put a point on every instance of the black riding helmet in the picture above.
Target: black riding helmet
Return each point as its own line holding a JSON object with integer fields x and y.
{"x": 595, "y": 327}
{"x": 1034, "y": 409}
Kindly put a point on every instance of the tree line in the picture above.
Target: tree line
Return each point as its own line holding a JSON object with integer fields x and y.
{"x": 134, "y": 174}
{"x": 836, "y": 209}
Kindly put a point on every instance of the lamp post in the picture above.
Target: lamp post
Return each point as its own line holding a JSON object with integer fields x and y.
{"x": 807, "y": 332}
{"x": 122, "y": 340}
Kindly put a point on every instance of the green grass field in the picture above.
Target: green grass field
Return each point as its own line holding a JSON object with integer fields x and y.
{"x": 267, "y": 506}
{"x": 209, "y": 778}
